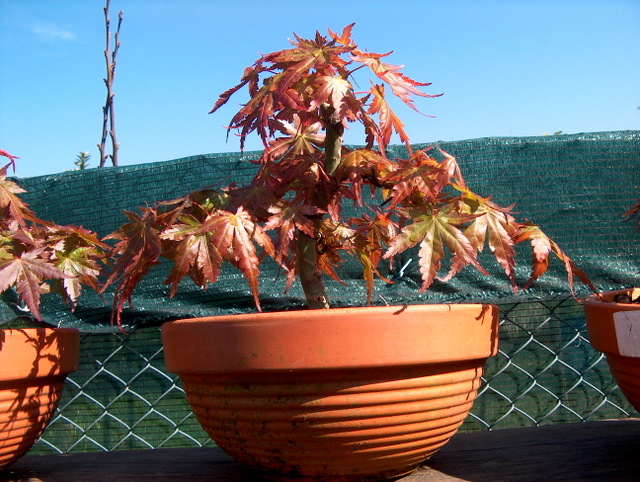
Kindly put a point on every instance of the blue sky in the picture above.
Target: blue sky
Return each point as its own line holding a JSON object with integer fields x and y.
{"x": 506, "y": 68}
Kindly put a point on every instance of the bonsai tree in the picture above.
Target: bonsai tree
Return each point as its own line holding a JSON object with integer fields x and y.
{"x": 301, "y": 101}
{"x": 33, "y": 251}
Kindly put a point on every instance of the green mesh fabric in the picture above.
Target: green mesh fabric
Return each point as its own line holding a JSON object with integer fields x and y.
{"x": 576, "y": 187}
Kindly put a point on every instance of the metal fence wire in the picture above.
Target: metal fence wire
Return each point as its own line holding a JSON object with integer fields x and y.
{"x": 545, "y": 372}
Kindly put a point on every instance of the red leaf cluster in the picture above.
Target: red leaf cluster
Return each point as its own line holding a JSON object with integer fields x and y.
{"x": 301, "y": 100}
{"x": 33, "y": 251}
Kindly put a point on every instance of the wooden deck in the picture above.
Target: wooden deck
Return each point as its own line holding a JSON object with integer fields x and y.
{"x": 585, "y": 451}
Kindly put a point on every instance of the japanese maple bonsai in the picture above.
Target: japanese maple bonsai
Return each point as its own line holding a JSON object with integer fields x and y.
{"x": 34, "y": 361}
{"x": 300, "y": 110}
{"x": 353, "y": 364}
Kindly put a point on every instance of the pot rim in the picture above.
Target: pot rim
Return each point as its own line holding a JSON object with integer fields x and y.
{"x": 609, "y": 323}
{"x": 606, "y": 297}
{"x": 30, "y": 353}
{"x": 339, "y": 338}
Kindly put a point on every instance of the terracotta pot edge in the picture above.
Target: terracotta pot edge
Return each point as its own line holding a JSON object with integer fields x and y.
{"x": 56, "y": 338}
{"x": 239, "y": 347}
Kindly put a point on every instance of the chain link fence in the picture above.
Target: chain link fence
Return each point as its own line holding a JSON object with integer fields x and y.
{"x": 546, "y": 372}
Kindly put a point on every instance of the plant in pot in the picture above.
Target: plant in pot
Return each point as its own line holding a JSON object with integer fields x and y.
{"x": 613, "y": 325}
{"x": 35, "y": 360}
{"x": 355, "y": 393}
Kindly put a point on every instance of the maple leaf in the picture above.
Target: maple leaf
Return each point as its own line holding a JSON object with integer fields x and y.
{"x": 540, "y": 250}
{"x": 24, "y": 238}
{"x": 345, "y": 36}
{"x": 243, "y": 252}
{"x": 9, "y": 200}
{"x": 389, "y": 121}
{"x": 27, "y": 272}
{"x": 75, "y": 251}
{"x": 11, "y": 160}
{"x": 319, "y": 54}
{"x": 364, "y": 162}
{"x": 418, "y": 177}
{"x": 222, "y": 236}
{"x": 434, "y": 231}
{"x": 287, "y": 219}
{"x": 256, "y": 198}
{"x": 333, "y": 238}
{"x": 68, "y": 238}
{"x": 192, "y": 254}
{"x": 301, "y": 138}
{"x": 138, "y": 248}
{"x": 250, "y": 76}
{"x": 542, "y": 246}
{"x": 360, "y": 167}
{"x": 256, "y": 113}
{"x": 81, "y": 268}
{"x": 334, "y": 91}
{"x": 496, "y": 224}
{"x": 305, "y": 176}
{"x": 450, "y": 165}
{"x": 372, "y": 235}
{"x": 402, "y": 86}
{"x": 206, "y": 200}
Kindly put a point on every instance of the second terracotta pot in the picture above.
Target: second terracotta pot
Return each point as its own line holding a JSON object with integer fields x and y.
{"x": 340, "y": 394}
{"x": 614, "y": 329}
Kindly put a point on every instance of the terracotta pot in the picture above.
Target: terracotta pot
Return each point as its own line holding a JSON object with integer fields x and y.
{"x": 33, "y": 365}
{"x": 614, "y": 329}
{"x": 340, "y": 394}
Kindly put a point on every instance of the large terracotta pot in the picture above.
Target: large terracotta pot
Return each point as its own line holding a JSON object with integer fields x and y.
{"x": 340, "y": 394}
{"x": 614, "y": 329}
{"x": 33, "y": 365}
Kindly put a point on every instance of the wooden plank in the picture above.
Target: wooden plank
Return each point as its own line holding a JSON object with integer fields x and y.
{"x": 607, "y": 451}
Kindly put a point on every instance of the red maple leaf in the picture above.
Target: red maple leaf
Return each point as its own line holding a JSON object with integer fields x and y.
{"x": 26, "y": 272}
{"x": 389, "y": 122}
{"x": 434, "y": 231}
{"x": 372, "y": 236}
{"x": 345, "y": 36}
{"x": 11, "y": 159}
{"x": 221, "y": 236}
{"x": 495, "y": 224}
{"x": 287, "y": 219}
{"x": 542, "y": 246}
{"x": 301, "y": 138}
{"x": 418, "y": 177}
{"x": 138, "y": 248}
{"x": 401, "y": 85}
{"x": 9, "y": 200}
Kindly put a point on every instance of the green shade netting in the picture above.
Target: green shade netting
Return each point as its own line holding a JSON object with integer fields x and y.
{"x": 575, "y": 187}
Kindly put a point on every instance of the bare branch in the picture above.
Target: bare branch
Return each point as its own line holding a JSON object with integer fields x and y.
{"x": 108, "y": 115}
